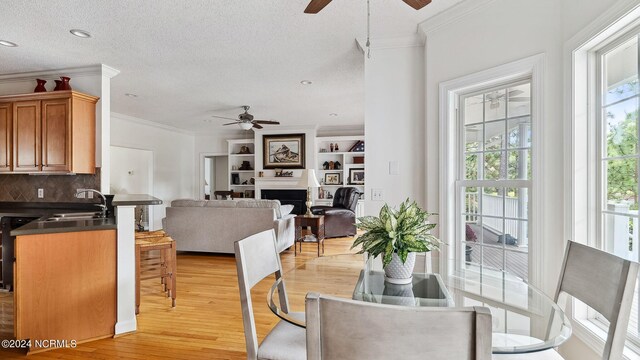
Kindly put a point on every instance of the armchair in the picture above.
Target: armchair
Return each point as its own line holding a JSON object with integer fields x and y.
{"x": 340, "y": 218}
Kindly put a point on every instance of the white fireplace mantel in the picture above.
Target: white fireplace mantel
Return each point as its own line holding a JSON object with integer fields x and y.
{"x": 267, "y": 183}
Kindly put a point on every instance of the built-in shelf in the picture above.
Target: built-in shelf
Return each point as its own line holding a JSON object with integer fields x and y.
{"x": 235, "y": 161}
{"x": 357, "y": 153}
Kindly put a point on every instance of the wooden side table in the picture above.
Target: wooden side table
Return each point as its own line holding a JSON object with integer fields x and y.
{"x": 316, "y": 222}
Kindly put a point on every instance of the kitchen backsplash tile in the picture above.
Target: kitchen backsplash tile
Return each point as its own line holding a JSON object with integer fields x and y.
{"x": 23, "y": 187}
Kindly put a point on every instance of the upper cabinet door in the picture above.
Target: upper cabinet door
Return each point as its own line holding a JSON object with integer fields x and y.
{"x": 26, "y": 136}
{"x": 56, "y": 135}
{"x": 6, "y": 114}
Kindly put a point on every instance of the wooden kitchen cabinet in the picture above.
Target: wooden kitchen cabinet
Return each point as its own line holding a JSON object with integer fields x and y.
{"x": 6, "y": 122}
{"x": 65, "y": 286}
{"x": 26, "y": 136}
{"x": 51, "y": 132}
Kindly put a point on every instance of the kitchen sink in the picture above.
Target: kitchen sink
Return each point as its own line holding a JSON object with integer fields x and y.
{"x": 75, "y": 216}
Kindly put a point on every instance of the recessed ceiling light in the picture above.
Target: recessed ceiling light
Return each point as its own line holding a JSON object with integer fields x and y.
{"x": 208, "y": 121}
{"x": 306, "y": 82}
{"x": 8, "y": 43}
{"x": 333, "y": 114}
{"x": 131, "y": 95}
{"x": 80, "y": 33}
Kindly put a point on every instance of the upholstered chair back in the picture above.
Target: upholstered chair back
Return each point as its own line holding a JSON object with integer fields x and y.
{"x": 346, "y": 198}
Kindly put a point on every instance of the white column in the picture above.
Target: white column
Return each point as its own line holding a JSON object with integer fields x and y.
{"x": 126, "y": 319}
{"x": 103, "y": 129}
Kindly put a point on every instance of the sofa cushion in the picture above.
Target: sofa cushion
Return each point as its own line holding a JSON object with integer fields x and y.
{"x": 261, "y": 203}
{"x": 188, "y": 203}
{"x": 286, "y": 210}
{"x": 221, "y": 203}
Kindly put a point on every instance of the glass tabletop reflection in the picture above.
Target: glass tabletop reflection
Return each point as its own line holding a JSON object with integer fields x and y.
{"x": 524, "y": 319}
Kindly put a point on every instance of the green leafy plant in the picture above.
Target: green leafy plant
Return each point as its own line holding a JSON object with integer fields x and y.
{"x": 399, "y": 231}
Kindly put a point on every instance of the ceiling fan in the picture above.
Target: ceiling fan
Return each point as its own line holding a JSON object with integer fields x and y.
{"x": 246, "y": 121}
{"x": 315, "y": 6}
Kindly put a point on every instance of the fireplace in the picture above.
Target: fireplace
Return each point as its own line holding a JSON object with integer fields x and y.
{"x": 297, "y": 198}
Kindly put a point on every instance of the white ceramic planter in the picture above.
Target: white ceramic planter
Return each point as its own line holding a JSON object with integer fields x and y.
{"x": 397, "y": 272}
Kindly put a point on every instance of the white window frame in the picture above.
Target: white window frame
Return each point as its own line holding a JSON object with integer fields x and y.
{"x": 582, "y": 147}
{"x": 462, "y": 183}
{"x": 450, "y": 148}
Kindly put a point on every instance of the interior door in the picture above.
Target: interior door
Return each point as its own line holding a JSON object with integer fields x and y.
{"x": 56, "y": 135}
{"x": 6, "y": 152}
{"x": 26, "y": 136}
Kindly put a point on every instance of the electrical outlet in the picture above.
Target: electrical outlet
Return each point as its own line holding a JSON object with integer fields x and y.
{"x": 377, "y": 195}
{"x": 89, "y": 194}
{"x": 40, "y": 193}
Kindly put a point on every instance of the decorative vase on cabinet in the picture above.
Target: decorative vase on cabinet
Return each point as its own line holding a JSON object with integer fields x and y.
{"x": 65, "y": 83}
{"x": 58, "y": 85}
{"x": 40, "y": 87}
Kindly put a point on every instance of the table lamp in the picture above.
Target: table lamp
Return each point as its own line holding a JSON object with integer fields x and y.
{"x": 308, "y": 180}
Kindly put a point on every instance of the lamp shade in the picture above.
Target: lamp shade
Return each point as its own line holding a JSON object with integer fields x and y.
{"x": 245, "y": 125}
{"x": 308, "y": 179}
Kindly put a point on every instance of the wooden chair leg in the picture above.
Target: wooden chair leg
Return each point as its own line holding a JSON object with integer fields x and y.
{"x": 174, "y": 272}
{"x": 137, "y": 255}
{"x": 163, "y": 270}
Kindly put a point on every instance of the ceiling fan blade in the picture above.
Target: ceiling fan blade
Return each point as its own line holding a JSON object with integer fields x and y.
{"x": 222, "y": 117}
{"x": 257, "y": 126}
{"x": 519, "y": 99}
{"x": 271, "y": 122}
{"x": 516, "y": 92}
{"x": 315, "y": 6}
{"x": 417, "y": 4}
{"x": 233, "y": 123}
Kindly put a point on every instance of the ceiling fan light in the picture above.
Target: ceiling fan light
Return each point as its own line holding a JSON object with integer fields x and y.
{"x": 245, "y": 125}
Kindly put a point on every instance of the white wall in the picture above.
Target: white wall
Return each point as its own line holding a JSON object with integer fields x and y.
{"x": 221, "y": 176}
{"x": 394, "y": 125}
{"x": 173, "y": 161}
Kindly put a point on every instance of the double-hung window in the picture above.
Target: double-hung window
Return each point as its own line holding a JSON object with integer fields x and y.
{"x": 617, "y": 159}
{"x": 494, "y": 177}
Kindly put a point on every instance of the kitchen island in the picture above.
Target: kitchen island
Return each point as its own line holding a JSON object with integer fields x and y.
{"x": 75, "y": 279}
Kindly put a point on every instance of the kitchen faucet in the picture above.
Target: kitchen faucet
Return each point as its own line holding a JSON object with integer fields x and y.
{"x": 102, "y": 206}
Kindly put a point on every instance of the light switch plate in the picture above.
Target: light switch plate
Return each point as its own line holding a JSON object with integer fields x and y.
{"x": 377, "y": 195}
{"x": 394, "y": 168}
{"x": 40, "y": 193}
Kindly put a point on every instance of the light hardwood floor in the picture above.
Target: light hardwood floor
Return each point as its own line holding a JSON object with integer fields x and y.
{"x": 206, "y": 324}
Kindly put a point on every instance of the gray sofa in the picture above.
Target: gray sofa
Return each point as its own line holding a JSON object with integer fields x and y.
{"x": 214, "y": 225}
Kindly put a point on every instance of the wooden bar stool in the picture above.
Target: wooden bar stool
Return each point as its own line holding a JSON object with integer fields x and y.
{"x": 147, "y": 267}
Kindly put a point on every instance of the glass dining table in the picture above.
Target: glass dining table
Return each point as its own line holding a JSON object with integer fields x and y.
{"x": 524, "y": 319}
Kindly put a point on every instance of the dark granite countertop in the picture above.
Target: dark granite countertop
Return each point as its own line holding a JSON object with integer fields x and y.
{"x": 42, "y": 211}
{"x": 135, "y": 199}
{"x": 40, "y": 226}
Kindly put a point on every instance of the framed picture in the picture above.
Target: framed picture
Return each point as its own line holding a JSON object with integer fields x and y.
{"x": 283, "y": 151}
{"x": 356, "y": 176}
{"x": 332, "y": 178}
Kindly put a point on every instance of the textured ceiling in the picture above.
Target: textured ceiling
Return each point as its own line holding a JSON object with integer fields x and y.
{"x": 188, "y": 60}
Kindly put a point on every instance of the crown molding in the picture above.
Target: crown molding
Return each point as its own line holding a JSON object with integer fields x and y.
{"x": 347, "y": 130}
{"x": 451, "y": 15}
{"x": 109, "y": 71}
{"x": 415, "y": 40}
{"x": 100, "y": 69}
{"x": 154, "y": 124}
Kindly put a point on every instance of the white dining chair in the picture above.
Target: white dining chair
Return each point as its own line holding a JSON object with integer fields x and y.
{"x": 348, "y": 329}
{"x": 256, "y": 258}
{"x": 604, "y": 282}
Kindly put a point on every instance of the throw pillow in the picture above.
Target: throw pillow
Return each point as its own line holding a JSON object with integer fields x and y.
{"x": 286, "y": 210}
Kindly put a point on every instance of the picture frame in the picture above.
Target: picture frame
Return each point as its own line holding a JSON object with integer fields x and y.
{"x": 332, "y": 179}
{"x": 283, "y": 151}
{"x": 356, "y": 175}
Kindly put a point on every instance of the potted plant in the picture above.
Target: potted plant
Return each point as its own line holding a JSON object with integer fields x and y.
{"x": 397, "y": 235}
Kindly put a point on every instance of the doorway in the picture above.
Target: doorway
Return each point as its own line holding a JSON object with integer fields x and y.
{"x": 215, "y": 174}
{"x": 132, "y": 173}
